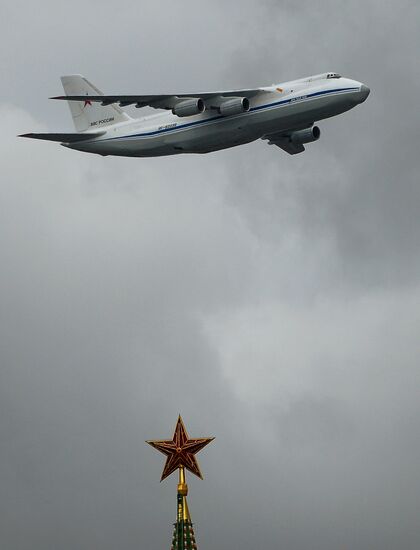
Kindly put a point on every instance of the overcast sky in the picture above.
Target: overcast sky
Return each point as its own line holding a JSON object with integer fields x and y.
{"x": 273, "y": 301}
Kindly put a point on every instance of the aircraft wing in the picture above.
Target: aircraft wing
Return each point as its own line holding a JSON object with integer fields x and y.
{"x": 283, "y": 141}
{"x": 64, "y": 138}
{"x": 165, "y": 101}
{"x": 288, "y": 146}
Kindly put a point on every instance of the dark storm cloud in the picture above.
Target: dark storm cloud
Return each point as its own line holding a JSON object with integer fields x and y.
{"x": 361, "y": 195}
{"x": 272, "y": 300}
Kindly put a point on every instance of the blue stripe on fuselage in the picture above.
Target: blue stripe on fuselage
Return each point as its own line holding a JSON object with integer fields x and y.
{"x": 214, "y": 119}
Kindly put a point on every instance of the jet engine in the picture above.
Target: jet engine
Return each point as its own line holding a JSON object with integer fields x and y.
{"x": 189, "y": 107}
{"x": 234, "y": 106}
{"x": 306, "y": 135}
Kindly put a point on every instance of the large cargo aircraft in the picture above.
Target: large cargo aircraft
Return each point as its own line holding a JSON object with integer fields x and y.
{"x": 283, "y": 114}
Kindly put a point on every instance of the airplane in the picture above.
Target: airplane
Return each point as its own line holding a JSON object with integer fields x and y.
{"x": 284, "y": 114}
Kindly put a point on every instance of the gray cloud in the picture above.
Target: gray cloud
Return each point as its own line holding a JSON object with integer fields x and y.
{"x": 272, "y": 300}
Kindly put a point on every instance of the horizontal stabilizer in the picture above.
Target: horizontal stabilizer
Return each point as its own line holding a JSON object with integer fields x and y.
{"x": 65, "y": 138}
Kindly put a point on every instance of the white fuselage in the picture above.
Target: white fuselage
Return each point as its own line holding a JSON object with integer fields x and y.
{"x": 281, "y": 107}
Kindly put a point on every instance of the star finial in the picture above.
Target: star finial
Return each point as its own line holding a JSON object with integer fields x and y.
{"x": 180, "y": 450}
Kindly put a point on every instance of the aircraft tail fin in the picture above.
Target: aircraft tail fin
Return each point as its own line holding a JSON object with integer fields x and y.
{"x": 89, "y": 115}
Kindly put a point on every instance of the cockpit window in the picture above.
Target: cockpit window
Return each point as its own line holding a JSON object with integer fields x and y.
{"x": 333, "y": 75}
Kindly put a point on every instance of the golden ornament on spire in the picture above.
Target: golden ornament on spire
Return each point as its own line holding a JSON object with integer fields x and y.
{"x": 180, "y": 451}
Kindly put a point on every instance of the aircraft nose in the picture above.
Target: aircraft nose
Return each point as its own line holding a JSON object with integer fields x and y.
{"x": 364, "y": 92}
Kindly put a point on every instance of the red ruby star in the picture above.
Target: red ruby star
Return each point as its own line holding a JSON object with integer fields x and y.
{"x": 180, "y": 450}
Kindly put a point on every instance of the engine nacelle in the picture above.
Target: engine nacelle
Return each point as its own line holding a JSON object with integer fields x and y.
{"x": 189, "y": 107}
{"x": 234, "y": 106}
{"x": 306, "y": 135}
